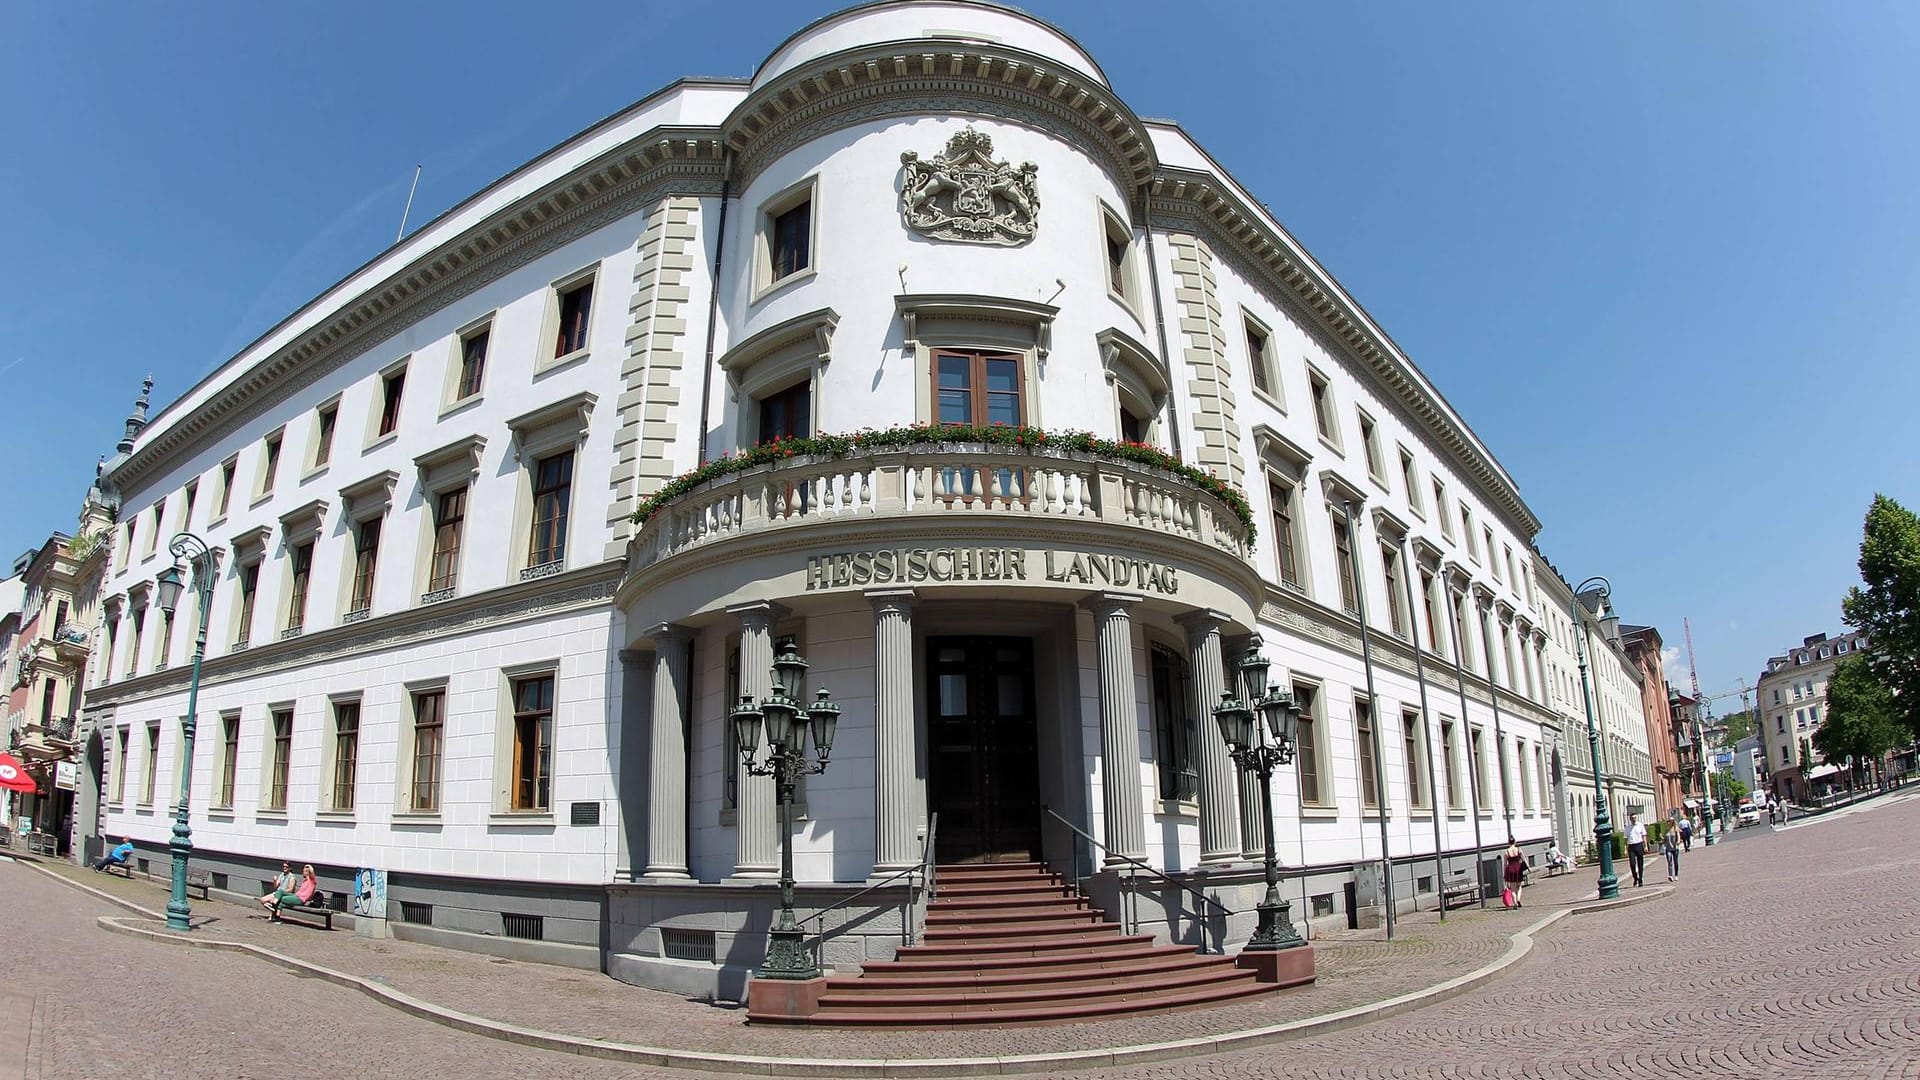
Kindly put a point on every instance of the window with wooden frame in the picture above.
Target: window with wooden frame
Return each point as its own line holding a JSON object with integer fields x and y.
{"x": 229, "y": 759}
{"x": 1410, "y": 479}
{"x": 279, "y": 761}
{"x": 153, "y": 763}
{"x": 159, "y": 524}
{"x": 1343, "y": 562}
{"x": 323, "y": 424}
{"x": 186, "y": 505}
{"x": 1260, "y": 356}
{"x": 1367, "y": 739}
{"x": 1478, "y": 758}
{"x": 366, "y": 557}
{"x": 137, "y": 623}
{"x": 786, "y": 413}
{"x": 532, "y": 743}
{"x": 166, "y": 644}
{"x": 249, "y": 592}
{"x": 346, "y": 753}
{"x": 552, "y": 502}
{"x": 1280, "y": 498}
{"x": 1323, "y": 418}
{"x": 1427, "y": 600}
{"x": 790, "y": 241}
{"x": 473, "y": 363}
{"x": 393, "y": 389}
{"x": 1307, "y": 744}
{"x": 122, "y": 751}
{"x": 228, "y": 470}
{"x": 300, "y": 567}
{"x": 1413, "y": 741}
{"x": 575, "y": 303}
{"x": 1117, "y": 248}
{"x": 978, "y": 389}
{"x": 429, "y": 730}
{"x": 1173, "y": 727}
{"x": 1440, "y": 507}
{"x": 1390, "y": 573}
{"x": 449, "y": 520}
{"x": 1370, "y": 444}
{"x": 1450, "y": 757}
{"x": 270, "y": 467}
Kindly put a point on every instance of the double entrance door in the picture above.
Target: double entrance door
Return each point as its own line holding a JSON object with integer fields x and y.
{"x": 985, "y": 776}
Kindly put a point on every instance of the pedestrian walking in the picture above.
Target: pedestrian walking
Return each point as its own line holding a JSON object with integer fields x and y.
{"x": 1686, "y": 833}
{"x": 1516, "y": 871}
{"x": 1637, "y": 849}
{"x": 1670, "y": 847}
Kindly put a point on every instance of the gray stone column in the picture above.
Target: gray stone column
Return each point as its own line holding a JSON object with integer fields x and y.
{"x": 895, "y": 776}
{"x": 630, "y": 823}
{"x": 1119, "y": 727}
{"x": 667, "y": 755}
{"x": 756, "y": 833}
{"x": 1220, "y": 839}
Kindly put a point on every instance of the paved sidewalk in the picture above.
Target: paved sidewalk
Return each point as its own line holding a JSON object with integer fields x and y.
{"x": 1356, "y": 968}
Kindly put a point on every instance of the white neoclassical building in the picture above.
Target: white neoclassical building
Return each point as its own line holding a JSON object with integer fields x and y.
{"x": 459, "y": 635}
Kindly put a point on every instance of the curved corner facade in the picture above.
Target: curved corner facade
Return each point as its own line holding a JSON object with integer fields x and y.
{"x": 441, "y": 645}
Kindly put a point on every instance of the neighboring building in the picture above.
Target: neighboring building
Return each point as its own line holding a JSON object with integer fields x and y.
{"x": 441, "y": 646}
{"x": 13, "y": 591}
{"x": 1791, "y": 703}
{"x": 1643, "y": 647}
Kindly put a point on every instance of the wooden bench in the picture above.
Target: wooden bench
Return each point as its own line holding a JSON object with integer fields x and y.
{"x": 124, "y": 869}
{"x": 1460, "y": 889}
{"x": 318, "y": 909}
{"x": 199, "y": 879}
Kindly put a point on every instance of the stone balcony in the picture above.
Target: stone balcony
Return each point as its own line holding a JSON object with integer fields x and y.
{"x": 948, "y": 484}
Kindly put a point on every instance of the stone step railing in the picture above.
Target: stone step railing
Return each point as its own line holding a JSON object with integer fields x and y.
{"x": 969, "y": 479}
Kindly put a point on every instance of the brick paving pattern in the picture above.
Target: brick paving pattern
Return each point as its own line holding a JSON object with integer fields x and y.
{"x": 1787, "y": 955}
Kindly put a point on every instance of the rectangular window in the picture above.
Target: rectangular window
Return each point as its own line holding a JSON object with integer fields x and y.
{"x": 552, "y": 496}
{"x": 139, "y": 622}
{"x": 249, "y": 590}
{"x": 1413, "y": 739}
{"x": 1426, "y": 609}
{"x": 1396, "y": 610}
{"x": 153, "y": 762}
{"x": 1172, "y": 727}
{"x": 1307, "y": 751}
{"x": 978, "y": 389}
{"x": 1370, "y": 442}
{"x": 1343, "y": 563}
{"x": 166, "y": 643}
{"x": 302, "y": 576}
{"x": 429, "y": 724}
{"x": 393, "y": 387}
{"x": 346, "y": 752}
{"x": 1526, "y": 776}
{"x": 449, "y": 515}
{"x": 1479, "y": 759}
{"x": 1450, "y": 749}
{"x": 790, "y": 245}
{"x": 120, "y": 765}
{"x": 186, "y": 505}
{"x": 229, "y": 758}
{"x": 271, "y": 467}
{"x": 532, "y": 742}
{"x": 1280, "y": 496}
{"x": 473, "y": 363}
{"x": 1466, "y": 526}
{"x": 1322, "y": 405}
{"x": 228, "y": 469}
{"x": 1258, "y": 359}
{"x": 1410, "y": 481}
{"x": 1369, "y": 748}
{"x": 787, "y": 414}
{"x": 1487, "y": 535}
{"x": 323, "y": 435}
{"x": 1440, "y": 508}
{"x": 281, "y": 759}
{"x": 159, "y": 523}
{"x": 366, "y": 555}
{"x": 576, "y": 309}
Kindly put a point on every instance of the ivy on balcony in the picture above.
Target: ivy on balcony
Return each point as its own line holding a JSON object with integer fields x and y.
{"x": 945, "y": 435}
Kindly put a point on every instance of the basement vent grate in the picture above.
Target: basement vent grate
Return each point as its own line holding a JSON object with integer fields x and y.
{"x": 1425, "y": 884}
{"x": 412, "y": 911}
{"x": 1323, "y": 905}
{"x": 525, "y": 927}
{"x": 687, "y": 944}
{"x": 219, "y": 881}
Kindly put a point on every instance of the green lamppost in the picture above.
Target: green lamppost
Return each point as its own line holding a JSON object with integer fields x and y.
{"x": 1251, "y": 751}
{"x": 1706, "y": 778}
{"x": 782, "y": 716}
{"x": 1602, "y": 817}
{"x": 200, "y": 563}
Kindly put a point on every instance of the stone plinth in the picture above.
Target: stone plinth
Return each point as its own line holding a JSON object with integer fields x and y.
{"x": 784, "y": 1001}
{"x": 1281, "y": 967}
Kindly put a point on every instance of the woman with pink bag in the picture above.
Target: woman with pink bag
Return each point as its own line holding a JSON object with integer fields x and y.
{"x": 1516, "y": 874}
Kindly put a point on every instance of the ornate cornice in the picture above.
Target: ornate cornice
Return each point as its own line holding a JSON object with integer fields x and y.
{"x": 1202, "y": 200}
{"x": 619, "y": 183}
{"x": 926, "y": 76}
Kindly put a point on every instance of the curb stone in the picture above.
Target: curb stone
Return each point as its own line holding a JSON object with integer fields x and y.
{"x": 1520, "y": 943}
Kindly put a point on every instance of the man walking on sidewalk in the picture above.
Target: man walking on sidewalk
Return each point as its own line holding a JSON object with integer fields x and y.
{"x": 1637, "y": 849}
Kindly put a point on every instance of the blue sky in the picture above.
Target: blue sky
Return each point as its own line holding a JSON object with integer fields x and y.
{"x": 1661, "y": 256}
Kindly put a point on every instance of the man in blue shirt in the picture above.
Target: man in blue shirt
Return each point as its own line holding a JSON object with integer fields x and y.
{"x": 117, "y": 857}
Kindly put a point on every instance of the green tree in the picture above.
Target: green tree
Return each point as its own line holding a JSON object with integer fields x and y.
{"x": 1887, "y": 604}
{"x": 1862, "y": 722}
{"x": 1739, "y": 726}
{"x": 1728, "y": 790}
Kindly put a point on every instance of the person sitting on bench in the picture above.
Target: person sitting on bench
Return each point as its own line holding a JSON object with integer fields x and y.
{"x": 117, "y": 857}
{"x": 283, "y": 885}
{"x": 302, "y": 894}
{"x": 1557, "y": 859}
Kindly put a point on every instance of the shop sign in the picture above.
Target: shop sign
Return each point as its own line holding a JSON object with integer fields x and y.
{"x": 915, "y": 566}
{"x": 66, "y": 775}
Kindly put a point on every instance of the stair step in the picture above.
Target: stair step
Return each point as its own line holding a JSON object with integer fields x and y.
{"x": 1079, "y": 923}
{"x": 987, "y": 889}
{"x": 1004, "y": 913}
{"x": 990, "y": 901}
{"x": 883, "y": 981}
{"x": 942, "y": 878}
{"x": 1036, "y": 1012}
{"x": 1026, "y": 946}
{"x": 908, "y": 966}
{"x": 943, "y": 869}
{"x": 1089, "y": 990}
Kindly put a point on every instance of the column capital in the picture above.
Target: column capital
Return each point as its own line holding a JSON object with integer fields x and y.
{"x": 885, "y": 600}
{"x": 664, "y": 632}
{"x": 1200, "y": 622}
{"x": 635, "y": 657}
{"x": 758, "y": 613}
{"x": 1111, "y": 603}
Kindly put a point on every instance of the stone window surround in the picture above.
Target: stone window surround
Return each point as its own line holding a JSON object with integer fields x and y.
{"x": 302, "y": 524}
{"x": 1275, "y": 394}
{"x": 249, "y": 549}
{"x": 1327, "y": 426}
{"x": 541, "y": 433}
{"x": 450, "y": 400}
{"x": 806, "y": 190}
{"x": 775, "y": 359}
{"x": 312, "y": 466}
{"x": 439, "y": 471}
{"x": 501, "y": 807}
{"x": 974, "y": 321}
{"x": 261, "y": 807}
{"x": 1289, "y": 463}
{"x": 543, "y": 361}
{"x": 330, "y": 755}
{"x": 1410, "y": 473}
{"x": 273, "y": 444}
{"x": 368, "y": 500}
{"x": 403, "y": 811}
{"x": 1114, "y": 228}
{"x": 1327, "y": 806}
{"x": 378, "y": 406}
{"x": 1371, "y": 447}
{"x": 1134, "y": 371}
{"x": 215, "y": 807}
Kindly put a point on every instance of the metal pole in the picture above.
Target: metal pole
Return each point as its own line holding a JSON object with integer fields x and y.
{"x": 1373, "y": 704}
{"x": 1473, "y": 774}
{"x": 1706, "y": 779}
{"x": 1426, "y": 717}
{"x": 179, "y": 912}
{"x": 1602, "y": 817}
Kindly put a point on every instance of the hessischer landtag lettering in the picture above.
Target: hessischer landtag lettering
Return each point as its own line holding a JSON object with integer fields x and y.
{"x": 909, "y": 566}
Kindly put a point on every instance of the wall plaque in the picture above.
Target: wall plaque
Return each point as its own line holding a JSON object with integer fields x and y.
{"x": 963, "y": 194}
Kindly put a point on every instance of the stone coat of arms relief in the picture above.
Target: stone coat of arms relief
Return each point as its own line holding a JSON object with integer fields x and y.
{"x": 963, "y": 194}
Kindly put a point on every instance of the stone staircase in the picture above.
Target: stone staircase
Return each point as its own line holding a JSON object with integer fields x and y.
{"x": 1009, "y": 943}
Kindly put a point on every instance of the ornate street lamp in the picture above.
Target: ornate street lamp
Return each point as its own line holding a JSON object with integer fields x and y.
{"x": 786, "y": 722}
{"x": 201, "y": 564}
{"x": 1240, "y": 721}
{"x": 1602, "y": 816}
{"x": 1706, "y": 778}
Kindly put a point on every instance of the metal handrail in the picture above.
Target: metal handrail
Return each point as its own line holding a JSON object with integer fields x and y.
{"x": 1130, "y": 860}
{"x": 923, "y": 869}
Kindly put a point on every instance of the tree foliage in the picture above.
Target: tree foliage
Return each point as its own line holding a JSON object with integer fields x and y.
{"x": 1739, "y": 725}
{"x": 1861, "y": 721}
{"x": 1728, "y": 789}
{"x": 1887, "y": 603}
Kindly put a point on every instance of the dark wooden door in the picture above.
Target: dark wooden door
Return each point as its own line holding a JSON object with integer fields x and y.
{"x": 985, "y": 776}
